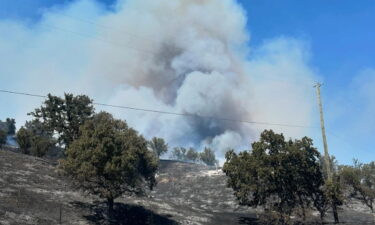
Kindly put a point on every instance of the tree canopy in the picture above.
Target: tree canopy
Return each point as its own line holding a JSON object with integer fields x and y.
{"x": 360, "y": 178}
{"x": 208, "y": 157}
{"x": 179, "y": 153}
{"x": 35, "y": 139}
{"x": 277, "y": 174}
{"x": 109, "y": 159}
{"x": 192, "y": 155}
{"x": 24, "y": 140}
{"x": 158, "y": 146}
{"x": 9, "y": 126}
{"x": 64, "y": 116}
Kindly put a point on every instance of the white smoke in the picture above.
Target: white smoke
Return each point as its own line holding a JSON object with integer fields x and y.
{"x": 186, "y": 56}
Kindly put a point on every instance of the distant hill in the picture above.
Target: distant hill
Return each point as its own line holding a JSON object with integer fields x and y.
{"x": 31, "y": 192}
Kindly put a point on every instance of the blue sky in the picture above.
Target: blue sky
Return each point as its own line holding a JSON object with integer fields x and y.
{"x": 341, "y": 33}
{"x": 340, "y": 37}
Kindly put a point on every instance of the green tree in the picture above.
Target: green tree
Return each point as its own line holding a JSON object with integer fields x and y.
{"x": 24, "y": 140}
{"x": 158, "y": 146}
{"x": 109, "y": 159}
{"x": 192, "y": 155}
{"x": 35, "y": 139}
{"x": 208, "y": 157}
{"x": 64, "y": 116}
{"x": 332, "y": 188}
{"x": 361, "y": 179}
{"x": 179, "y": 153}
{"x": 277, "y": 174}
{"x": 333, "y": 165}
{"x": 11, "y": 126}
{"x": 333, "y": 195}
{"x": 40, "y": 145}
{"x": 3, "y": 138}
{"x": 37, "y": 128}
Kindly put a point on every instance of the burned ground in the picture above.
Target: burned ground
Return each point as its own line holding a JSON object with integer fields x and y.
{"x": 32, "y": 192}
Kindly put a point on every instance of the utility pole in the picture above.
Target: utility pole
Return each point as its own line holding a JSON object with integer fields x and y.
{"x": 326, "y": 155}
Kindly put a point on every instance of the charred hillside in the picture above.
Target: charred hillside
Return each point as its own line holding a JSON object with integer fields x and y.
{"x": 32, "y": 192}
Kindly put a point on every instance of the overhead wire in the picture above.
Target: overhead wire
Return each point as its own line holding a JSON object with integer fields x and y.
{"x": 172, "y": 113}
{"x": 169, "y": 83}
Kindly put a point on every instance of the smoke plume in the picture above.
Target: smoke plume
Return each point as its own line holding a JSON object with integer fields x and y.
{"x": 186, "y": 56}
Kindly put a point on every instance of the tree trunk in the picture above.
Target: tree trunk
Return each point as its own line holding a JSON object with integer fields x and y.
{"x": 321, "y": 216}
{"x": 335, "y": 214}
{"x": 110, "y": 207}
{"x": 303, "y": 208}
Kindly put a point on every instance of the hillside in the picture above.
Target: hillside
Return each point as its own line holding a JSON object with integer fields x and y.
{"x": 31, "y": 192}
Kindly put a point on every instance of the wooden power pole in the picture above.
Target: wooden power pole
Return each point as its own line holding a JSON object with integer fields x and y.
{"x": 326, "y": 155}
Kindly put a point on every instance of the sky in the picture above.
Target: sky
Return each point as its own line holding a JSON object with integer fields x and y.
{"x": 326, "y": 41}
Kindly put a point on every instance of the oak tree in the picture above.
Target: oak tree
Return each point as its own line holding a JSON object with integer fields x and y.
{"x": 64, "y": 116}
{"x": 109, "y": 159}
{"x": 361, "y": 179}
{"x": 23, "y": 138}
{"x": 208, "y": 157}
{"x": 279, "y": 175}
{"x": 34, "y": 138}
{"x": 158, "y": 146}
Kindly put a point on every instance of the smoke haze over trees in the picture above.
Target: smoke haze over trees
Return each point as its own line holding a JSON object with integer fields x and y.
{"x": 189, "y": 65}
{"x": 207, "y": 156}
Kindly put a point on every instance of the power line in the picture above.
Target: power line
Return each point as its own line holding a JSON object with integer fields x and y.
{"x": 172, "y": 113}
{"x": 23, "y": 93}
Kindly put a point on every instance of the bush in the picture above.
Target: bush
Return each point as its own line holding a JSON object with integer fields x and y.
{"x": 40, "y": 146}
{"x": 24, "y": 140}
{"x": 34, "y": 139}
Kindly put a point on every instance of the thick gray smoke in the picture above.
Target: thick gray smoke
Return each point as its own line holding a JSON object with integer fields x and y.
{"x": 185, "y": 56}
{"x": 189, "y": 57}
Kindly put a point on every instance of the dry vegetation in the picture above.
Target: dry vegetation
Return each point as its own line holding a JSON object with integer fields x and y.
{"x": 31, "y": 192}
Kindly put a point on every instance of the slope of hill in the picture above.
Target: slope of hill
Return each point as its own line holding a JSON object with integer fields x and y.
{"x": 31, "y": 192}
